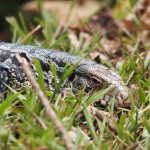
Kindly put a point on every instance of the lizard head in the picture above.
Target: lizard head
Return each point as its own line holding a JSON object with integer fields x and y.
{"x": 95, "y": 77}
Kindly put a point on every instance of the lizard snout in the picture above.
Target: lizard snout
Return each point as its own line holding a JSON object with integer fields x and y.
{"x": 123, "y": 99}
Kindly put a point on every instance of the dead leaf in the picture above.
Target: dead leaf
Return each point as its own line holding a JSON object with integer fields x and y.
{"x": 104, "y": 22}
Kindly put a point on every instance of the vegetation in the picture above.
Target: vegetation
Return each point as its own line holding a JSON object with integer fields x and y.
{"x": 24, "y": 123}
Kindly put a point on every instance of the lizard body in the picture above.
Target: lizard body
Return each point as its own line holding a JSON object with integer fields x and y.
{"x": 88, "y": 73}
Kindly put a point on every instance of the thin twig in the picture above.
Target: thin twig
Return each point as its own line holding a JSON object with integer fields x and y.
{"x": 31, "y": 33}
{"x": 109, "y": 123}
{"x": 43, "y": 125}
{"x": 101, "y": 115}
{"x": 44, "y": 100}
{"x": 135, "y": 145}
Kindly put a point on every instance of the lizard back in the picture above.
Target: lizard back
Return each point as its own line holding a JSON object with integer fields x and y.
{"x": 88, "y": 73}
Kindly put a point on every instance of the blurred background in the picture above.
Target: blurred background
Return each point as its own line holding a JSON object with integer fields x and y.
{"x": 75, "y": 11}
{"x": 108, "y": 17}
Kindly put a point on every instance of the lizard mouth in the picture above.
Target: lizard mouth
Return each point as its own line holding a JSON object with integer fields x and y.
{"x": 124, "y": 104}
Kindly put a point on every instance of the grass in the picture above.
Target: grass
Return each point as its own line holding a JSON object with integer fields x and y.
{"x": 24, "y": 124}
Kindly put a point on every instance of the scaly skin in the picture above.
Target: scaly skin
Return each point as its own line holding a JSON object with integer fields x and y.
{"x": 88, "y": 74}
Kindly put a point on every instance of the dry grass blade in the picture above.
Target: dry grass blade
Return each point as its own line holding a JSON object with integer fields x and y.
{"x": 31, "y": 33}
{"x": 135, "y": 145}
{"x": 101, "y": 115}
{"x": 50, "y": 112}
{"x": 43, "y": 125}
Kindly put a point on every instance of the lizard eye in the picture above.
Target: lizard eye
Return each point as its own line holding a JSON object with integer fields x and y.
{"x": 94, "y": 81}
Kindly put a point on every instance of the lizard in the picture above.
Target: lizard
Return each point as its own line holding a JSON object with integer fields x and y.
{"x": 88, "y": 74}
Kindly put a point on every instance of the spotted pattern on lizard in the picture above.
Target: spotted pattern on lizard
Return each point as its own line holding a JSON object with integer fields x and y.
{"x": 88, "y": 74}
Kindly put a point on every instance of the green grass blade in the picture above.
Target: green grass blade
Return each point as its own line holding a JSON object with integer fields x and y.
{"x": 40, "y": 74}
{"x": 90, "y": 124}
{"x": 24, "y": 27}
{"x": 96, "y": 96}
{"x": 7, "y": 103}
